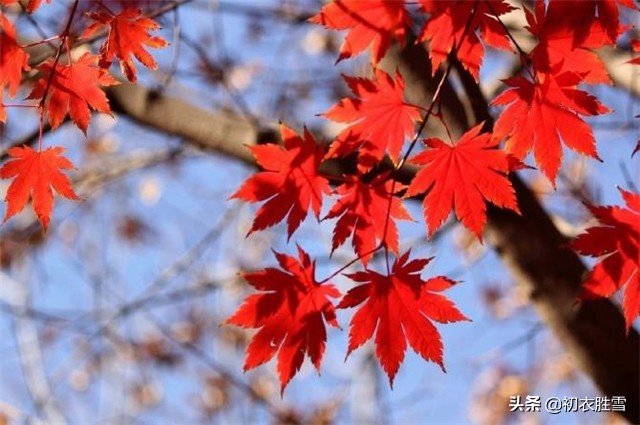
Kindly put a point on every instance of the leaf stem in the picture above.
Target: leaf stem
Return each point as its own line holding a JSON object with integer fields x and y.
{"x": 43, "y": 41}
{"x": 350, "y": 263}
{"x": 522, "y": 53}
{"x": 16, "y": 105}
{"x": 435, "y": 99}
{"x": 524, "y": 57}
{"x": 106, "y": 8}
{"x": 63, "y": 36}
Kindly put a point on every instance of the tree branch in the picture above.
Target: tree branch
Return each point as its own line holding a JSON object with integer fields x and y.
{"x": 535, "y": 252}
{"x": 207, "y": 130}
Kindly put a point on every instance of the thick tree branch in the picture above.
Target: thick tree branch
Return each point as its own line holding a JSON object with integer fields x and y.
{"x": 535, "y": 252}
{"x": 207, "y": 130}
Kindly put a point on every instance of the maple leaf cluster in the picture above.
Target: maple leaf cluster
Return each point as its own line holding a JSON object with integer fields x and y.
{"x": 543, "y": 109}
{"x": 65, "y": 87}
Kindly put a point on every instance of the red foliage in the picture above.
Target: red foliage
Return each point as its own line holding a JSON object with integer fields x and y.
{"x": 128, "y": 36}
{"x": 366, "y": 212}
{"x": 378, "y": 118}
{"x": 73, "y": 89}
{"x": 289, "y": 313}
{"x": 543, "y": 109}
{"x": 3, "y": 111}
{"x": 543, "y": 113}
{"x": 617, "y": 243}
{"x": 370, "y": 22}
{"x": 461, "y": 177}
{"x": 290, "y": 183}
{"x": 456, "y": 24}
{"x": 13, "y": 59}
{"x": 399, "y": 308}
{"x": 635, "y": 46}
{"x": 35, "y": 174}
{"x": 566, "y": 32}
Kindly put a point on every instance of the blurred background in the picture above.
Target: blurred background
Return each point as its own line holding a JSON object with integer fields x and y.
{"x": 114, "y": 315}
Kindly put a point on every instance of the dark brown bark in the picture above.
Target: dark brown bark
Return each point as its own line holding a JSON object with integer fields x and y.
{"x": 535, "y": 253}
{"x": 594, "y": 331}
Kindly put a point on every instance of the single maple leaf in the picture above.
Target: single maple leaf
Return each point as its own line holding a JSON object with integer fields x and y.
{"x": 567, "y": 30}
{"x": 74, "y": 89}
{"x": 3, "y": 111}
{"x": 446, "y": 27}
{"x": 540, "y": 114}
{"x": 589, "y": 24}
{"x": 36, "y": 174}
{"x": 128, "y": 36}
{"x": 13, "y": 58}
{"x": 289, "y": 313}
{"x": 290, "y": 183}
{"x": 370, "y": 22}
{"x": 461, "y": 177}
{"x": 379, "y": 119}
{"x": 366, "y": 213}
{"x": 607, "y": 14}
{"x": 399, "y": 308}
{"x": 617, "y": 243}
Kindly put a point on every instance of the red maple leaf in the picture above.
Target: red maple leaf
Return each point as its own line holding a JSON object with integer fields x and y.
{"x": 289, "y": 313}
{"x": 540, "y": 114}
{"x": 567, "y": 31}
{"x": 363, "y": 210}
{"x": 74, "y": 89}
{"x": 582, "y": 23}
{"x": 379, "y": 119}
{"x": 36, "y": 174}
{"x": 446, "y": 27}
{"x": 370, "y": 22}
{"x": 13, "y": 59}
{"x": 617, "y": 243}
{"x": 461, "y": 177}
{"x": 606, "y": 14}
{"x": 399, "y": 309}
{"x": 128, "y": 36}
{"x": 3, "y": 111}
{"x": 290, "y": 182}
